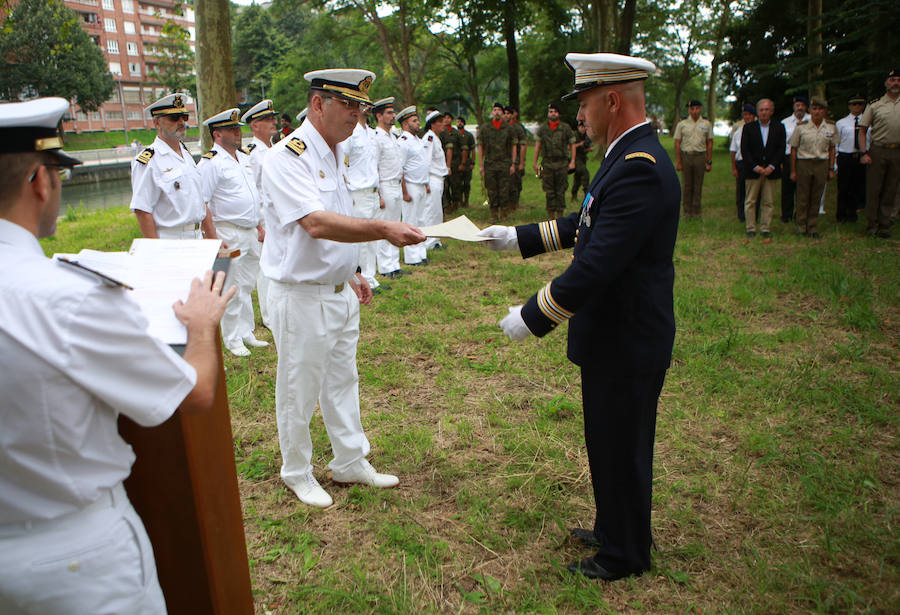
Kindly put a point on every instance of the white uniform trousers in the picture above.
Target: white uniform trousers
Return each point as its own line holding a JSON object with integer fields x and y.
{"x": 412, "y": 212}
{"x": 238, "y": 321}
{"x": 387, "y": 255}
{"x": 434, "y": 210}
{"x": 316, "y": 331}
{"x": 262, "y": 285}
{"x": 366, "y": 205}
{"x": 179, "y": 232}
{"x": 95, "y": 561}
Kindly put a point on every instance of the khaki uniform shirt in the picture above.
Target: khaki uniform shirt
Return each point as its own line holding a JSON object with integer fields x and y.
{"x": 555, "y": 144}
{"x": 883, "y": 119}
{"x": 498, "y": 144}
{"x": 812, "y": 142}
{"x": 693, "y": 135}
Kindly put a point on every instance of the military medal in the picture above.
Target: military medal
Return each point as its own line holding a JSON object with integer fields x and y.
{"x": 177, "y": 186}
{"x": 585, "y": 208}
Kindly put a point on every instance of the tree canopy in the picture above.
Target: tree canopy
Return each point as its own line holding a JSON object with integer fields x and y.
{"x": 46, "y": 52}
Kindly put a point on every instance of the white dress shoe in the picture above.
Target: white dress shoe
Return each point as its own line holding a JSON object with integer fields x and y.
{"x": 310, "y": 492}
{"x": 365, "y": 474}
{"x": 238, "y": 350}
{"x": 255, "y": 343}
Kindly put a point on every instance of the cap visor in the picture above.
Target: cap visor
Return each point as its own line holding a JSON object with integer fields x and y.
{"x": 65, "y": 159}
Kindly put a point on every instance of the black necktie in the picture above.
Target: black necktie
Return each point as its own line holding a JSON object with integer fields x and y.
{"x": 855, "y": 133}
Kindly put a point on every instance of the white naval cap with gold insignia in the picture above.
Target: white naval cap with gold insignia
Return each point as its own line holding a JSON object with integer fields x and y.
{"x": 596, "y": 69}
{"x": 433, "y": 115}
{"x": 32, "y": 127}
{"x": 302, "y": 115}
{"x": 262, "y": 109}
{"x": 225, "y": 119}
{"x": 410, "y": 110}
{"x": 350, "y": 83}
{"x": 172, "y": 104}
{"x": 384, "y": 103}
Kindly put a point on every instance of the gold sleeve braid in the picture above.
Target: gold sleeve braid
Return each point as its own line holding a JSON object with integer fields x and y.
{"x": 550, "y": 308}
{"x": 550, "y": 236}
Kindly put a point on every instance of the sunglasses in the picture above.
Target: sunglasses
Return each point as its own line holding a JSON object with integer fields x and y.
{"x": 65, "y": 172}
{"x": 350, "y": 104}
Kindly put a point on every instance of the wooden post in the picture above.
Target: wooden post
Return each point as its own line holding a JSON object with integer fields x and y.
{"x": 215, "y": 76}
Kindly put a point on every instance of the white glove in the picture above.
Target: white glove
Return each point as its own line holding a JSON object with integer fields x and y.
{"x": 513, "y": 325}
{"x": 501, "y": 237}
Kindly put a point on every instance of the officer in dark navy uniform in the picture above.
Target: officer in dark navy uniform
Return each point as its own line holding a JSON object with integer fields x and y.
{"x": 618, "y": 294}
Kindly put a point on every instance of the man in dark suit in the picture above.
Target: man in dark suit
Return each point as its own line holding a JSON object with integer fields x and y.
{"x": 762, "y": 148}
{"x": 618, "y": 294}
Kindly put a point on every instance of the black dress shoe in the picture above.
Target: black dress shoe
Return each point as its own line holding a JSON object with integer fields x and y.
{"x": 592, "y": 570}
{"x": 585, "y": 537}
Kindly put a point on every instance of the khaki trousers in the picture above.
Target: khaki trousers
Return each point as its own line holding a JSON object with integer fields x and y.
{"x": 812, "y": 175}
{"x": 762, "y": 189}
{"x": 693, "y": 169}
{"x": 882, "y": 179}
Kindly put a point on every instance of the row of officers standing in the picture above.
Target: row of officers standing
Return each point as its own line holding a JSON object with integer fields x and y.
{"x": 805, "y": 151}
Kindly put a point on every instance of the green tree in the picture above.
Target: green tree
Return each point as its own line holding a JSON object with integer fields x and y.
{"x": 257, "y": 47}
{"x": 46, "y": 52}
{"x": 175, "y": 69}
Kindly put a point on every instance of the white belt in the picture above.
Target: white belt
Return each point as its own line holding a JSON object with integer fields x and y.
{"x": 312, "y": 288}
{"x": 232, "y": 225}
{"x": 390, "y": 181}
{"x": 108, "y": 499}
{"x": 183, "y": 227}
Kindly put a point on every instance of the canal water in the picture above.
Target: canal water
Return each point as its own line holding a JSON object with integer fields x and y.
{"x": 97, "y": 195}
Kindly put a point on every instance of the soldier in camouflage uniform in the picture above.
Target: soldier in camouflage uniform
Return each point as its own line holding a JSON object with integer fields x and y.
{"x": 450, "y": 141}
{"x": 556, "y": 141}
{"x": 512, "y": 116}
{"x": 497, "y": 147}
{"x": 582, "y": 176}
{"x": 466, "y": 161}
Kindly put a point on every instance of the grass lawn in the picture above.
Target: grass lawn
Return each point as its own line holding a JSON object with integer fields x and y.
{"x": 777, "y": 467}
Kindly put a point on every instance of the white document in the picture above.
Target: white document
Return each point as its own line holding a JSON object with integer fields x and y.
{"x": 160, "y": 271}
{"x": 459, "y": 228}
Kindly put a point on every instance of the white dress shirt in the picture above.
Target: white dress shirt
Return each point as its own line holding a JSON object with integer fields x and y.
{"x": 389, "y": 154}
{"x": 75, "y": 355}
{"x": 846, "y": 127}
{"x": 735, "y": 145}
{"x": 362, "y": 172}
{"x": 293, "y": 187}
{"x": 227, "y": 185}
{"x": 437, "y": 161}
{"x": 167, "y": 186}
{"x": 258, "y": 150}
{"x": 415, "y": 158}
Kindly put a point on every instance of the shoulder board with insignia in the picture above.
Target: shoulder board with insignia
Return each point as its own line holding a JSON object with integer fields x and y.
{"x": 208, "y": 155}
{"x": 145, "y": 156}
{"x": 643, "y": 155}
{"x": 296, "y": 145}
{"x": 250, "y": 148}
{"x": 403, "y": 137}
{"x": 430, "y": 137}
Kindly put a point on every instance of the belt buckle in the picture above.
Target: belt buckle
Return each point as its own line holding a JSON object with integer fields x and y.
{"x": 338, "y": 287}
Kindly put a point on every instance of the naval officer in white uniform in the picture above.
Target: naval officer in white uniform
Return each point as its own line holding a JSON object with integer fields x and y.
{"x": 361, "y": 174}
{"x": 316, "y": 288}
{"x": 76, "y": 356}
{"x": 165, "y": 184}
{"x": 229, "y": 190}
{"x": 390, "y": 173}
{"x": 433, "y": 212}
{"x": 414, "y": 183}
{"x": 263, "y": 121}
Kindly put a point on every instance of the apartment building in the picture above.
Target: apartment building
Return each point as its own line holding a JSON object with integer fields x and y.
{"x": 127, "y": 31}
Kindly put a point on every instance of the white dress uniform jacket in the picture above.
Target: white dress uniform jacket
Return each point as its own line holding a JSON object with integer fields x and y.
{"x": 167, "y": 186}
{"x": 295, "y": 185}
{"x": 362, "y": 172}
{"x": 229, "y": 188}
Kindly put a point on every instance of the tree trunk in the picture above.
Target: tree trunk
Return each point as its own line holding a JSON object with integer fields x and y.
{"x": 721, "y": 26}
{"x": 679, "y": 88}
{"x": 623, "y": 45}
{"x": 473, "y": 89}
{"x": 512, "y": 54}
{"x": 814, "y": 48}
{"x": 215, "y": 74}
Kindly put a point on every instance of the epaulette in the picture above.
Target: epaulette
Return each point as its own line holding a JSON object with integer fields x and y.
{"x": 403, "y": 137}
{"x": 208, "y": 155}
{"x": 431, "y": 137}
{"x": 296, "y": 145}
{"x": 145, "y": 156}
{"x": 643, "y": 155}
{"x": 249, "y": 148}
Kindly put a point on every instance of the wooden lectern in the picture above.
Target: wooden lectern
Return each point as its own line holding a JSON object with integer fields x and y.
{"x": 184, "y": 486}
